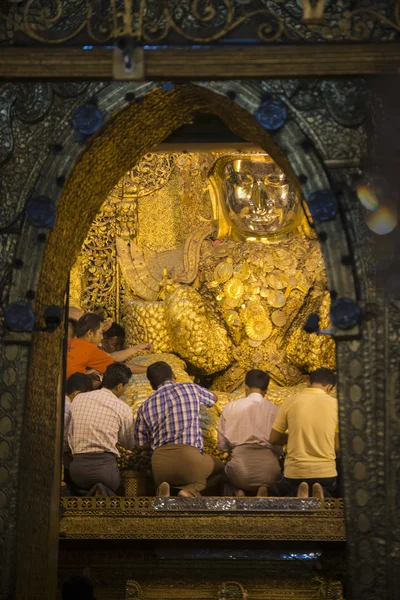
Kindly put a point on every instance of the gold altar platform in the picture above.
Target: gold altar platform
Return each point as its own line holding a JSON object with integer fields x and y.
{"x": 204, "y": 548}
{"x": 207, "y": 518}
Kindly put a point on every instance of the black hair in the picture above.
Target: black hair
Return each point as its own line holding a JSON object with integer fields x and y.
{"x": 77, "y": 588}
{"x": 323, "y": 376}
{"x": 78, "y": 382}
{"x": 73, "y": 323}
{"x": 115, "y": 374}
{"x": 115, "y": 331}
{"x": 88, "y": 322}
{"x": 158, "y": 373}
{"x": 257, "y": 379}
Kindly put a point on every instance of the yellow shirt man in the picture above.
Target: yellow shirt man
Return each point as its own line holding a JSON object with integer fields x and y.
{"x": 308, "y": 422}
{"x": 311, "y": 419}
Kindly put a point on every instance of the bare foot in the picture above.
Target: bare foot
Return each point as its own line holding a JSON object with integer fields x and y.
{"x": 239, "y": 494}
{"x": 262, "y": 492}
{"x": 302, "y": 492}
{"x": 317, "y": 491}
{"x": 163, "y": 490}
{"x": 185, "y": 494}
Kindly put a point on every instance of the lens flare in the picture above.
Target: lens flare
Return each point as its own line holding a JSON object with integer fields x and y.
{"x": 369, "y": 198}
{"x": 383, "y": 220}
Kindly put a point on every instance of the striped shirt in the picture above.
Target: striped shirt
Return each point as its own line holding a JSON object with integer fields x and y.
{"x": 172, "y": 416}
{"x": 100, "y": 421}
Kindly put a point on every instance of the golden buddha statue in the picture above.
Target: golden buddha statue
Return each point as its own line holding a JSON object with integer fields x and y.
{"x": 236, "y": 294}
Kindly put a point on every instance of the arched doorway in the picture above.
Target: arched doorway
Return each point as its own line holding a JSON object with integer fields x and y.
{"x": 124, "y": 138}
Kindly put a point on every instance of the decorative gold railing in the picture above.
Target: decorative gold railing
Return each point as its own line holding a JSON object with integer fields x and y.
{"x": 171, "y": 22}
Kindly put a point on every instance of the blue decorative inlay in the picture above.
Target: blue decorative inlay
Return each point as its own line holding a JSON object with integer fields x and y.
{"x": 272, "y": 114}
{"x": 184, "y": 553}
{"x": 87, "y": 120}
{"x": 225, "y": 504}
{"x": 345, "y": 313}
{"x": 19, "y": 316}
{"x": 41, "y": 212}
{"x": 168, "y": 86}
{"x": 323, "y": 205}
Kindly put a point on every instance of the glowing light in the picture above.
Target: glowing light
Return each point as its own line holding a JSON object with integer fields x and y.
{"x": 369, "y": 198}
{"x": 383, "y": 220}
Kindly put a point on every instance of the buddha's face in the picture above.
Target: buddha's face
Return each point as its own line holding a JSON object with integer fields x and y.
{"x": 258, "y": 196}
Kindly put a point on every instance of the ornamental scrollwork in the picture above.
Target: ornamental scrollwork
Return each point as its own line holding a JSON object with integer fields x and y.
{"x": 359, "y": 24}
{"x": 197, "y": 21}
{"x": 94, "y": 280}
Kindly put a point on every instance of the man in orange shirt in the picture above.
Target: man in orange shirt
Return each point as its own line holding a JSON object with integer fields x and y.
{"x": 84, "y": 353}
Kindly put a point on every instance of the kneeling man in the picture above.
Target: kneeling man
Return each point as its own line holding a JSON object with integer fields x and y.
{"x": 169, "y": 422}
{"x": 308, "y": 422}
{"x": 100, "y": 421}
{"x": 244, "y": 428}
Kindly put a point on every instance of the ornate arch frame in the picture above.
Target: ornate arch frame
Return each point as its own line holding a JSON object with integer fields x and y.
{"x": 78, "y": 180}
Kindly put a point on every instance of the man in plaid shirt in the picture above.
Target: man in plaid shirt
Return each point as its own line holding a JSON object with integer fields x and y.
{"x": 169, "y": 422}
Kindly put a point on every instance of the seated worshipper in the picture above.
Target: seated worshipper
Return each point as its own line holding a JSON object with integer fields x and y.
{"x": 245, "y": 427}
{"x": 76, "y": 384}
{"x": 72, "y": 323}
{"x": 113, "y": 339}
{"x": 84, "y": 354}
{"x": 311, "y": 420}
{"x": 169, "y": 422}
{"x": 100, "y": 421}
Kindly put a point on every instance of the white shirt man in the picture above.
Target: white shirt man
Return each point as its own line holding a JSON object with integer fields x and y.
{"x": 244, "y": 428}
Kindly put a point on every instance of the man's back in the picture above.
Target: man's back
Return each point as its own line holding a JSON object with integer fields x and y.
{"x": 172, "y": 415}
{"x": 247, "y": 421}
{"x": 83, "y": 355}
{"x": 99, "y": 420}
{"x": 311, "y": 419}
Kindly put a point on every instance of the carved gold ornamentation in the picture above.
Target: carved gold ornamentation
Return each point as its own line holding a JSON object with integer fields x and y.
{"x": 312, "y": 350}
{"x": 232, "y": 590}
{"x": 251, "y": 310}
{"x": 278, "y": 318}
{"x": 133, "y": 591}
{"x": 146, "y": 22}
{"x": 275, "y": 298}
{"x": 213, "y": 303}
{"x": 197, "y": 335}
{"x": 258, "y": 328}
{"x": 145, "y": 322}
{"x": 122, "y": 518}
{"x": 313, "y": 11}
{"x": 96, "y": 271}
{"x": 223, "y": 271}
{"x": 234, "y": 289}
{"x": 95, "y": 279}
{"x": 242, "y": 271}
{"x": 149, "y": 175}
{"x": 230, "y": 301}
